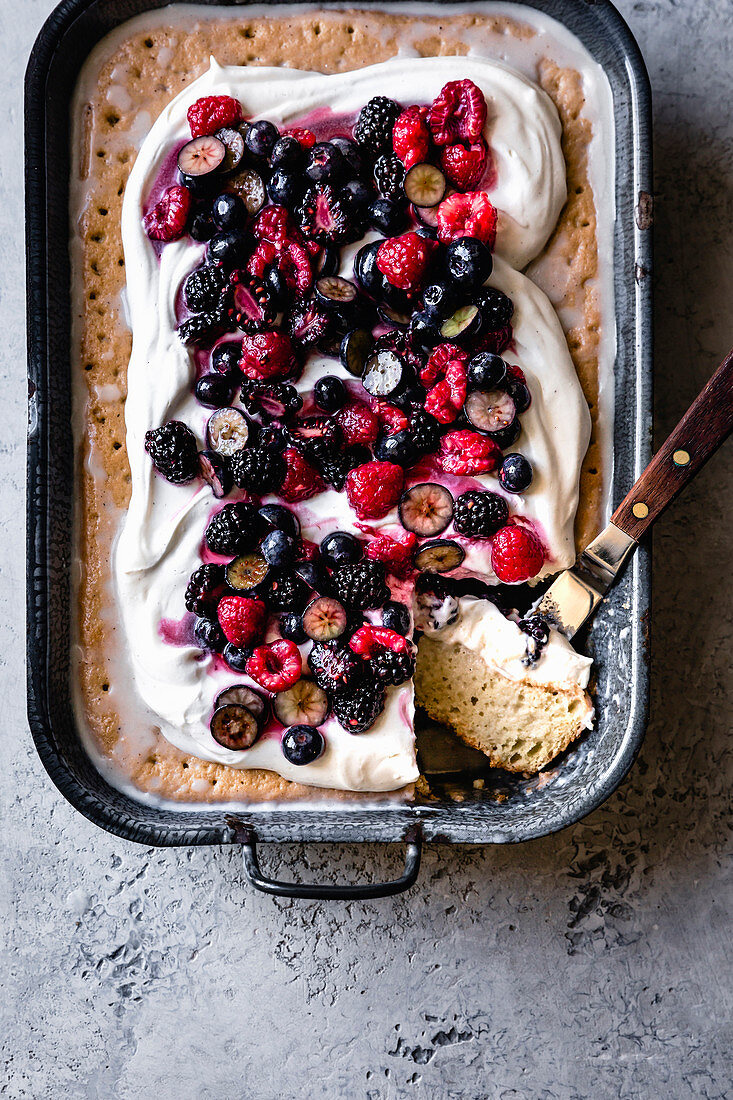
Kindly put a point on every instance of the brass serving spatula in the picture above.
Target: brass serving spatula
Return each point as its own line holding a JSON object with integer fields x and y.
{"x": 574, "y": 596}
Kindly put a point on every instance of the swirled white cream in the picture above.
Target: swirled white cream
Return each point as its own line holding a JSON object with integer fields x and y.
{"x": 159, "y": 543}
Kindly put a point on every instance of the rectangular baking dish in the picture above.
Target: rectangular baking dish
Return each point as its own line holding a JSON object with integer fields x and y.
{"x": 494, "y": 810}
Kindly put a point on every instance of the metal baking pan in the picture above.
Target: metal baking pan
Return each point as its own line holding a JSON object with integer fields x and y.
{"x": 496, "y": 809}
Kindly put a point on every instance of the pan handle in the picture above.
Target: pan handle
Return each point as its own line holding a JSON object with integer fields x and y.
{"x": 327, "y": 891}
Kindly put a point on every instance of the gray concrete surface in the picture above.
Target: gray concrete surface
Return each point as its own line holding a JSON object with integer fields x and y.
{"x": 594, "y": 963}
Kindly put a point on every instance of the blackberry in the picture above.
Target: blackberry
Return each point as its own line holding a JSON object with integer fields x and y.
{"x": 495, "y": 307}
{"x": 375, "y": 123}
{"x": 425, "y": 431}
{"x": 174, "y": 452}
{"x": 357, "y": 710}
{"x": 392, "y": 668}
{"x": 307, "y": 322}
{"x": 204, "y": 588}
{"x": 538, "y": 635}
{"x": 479, "y": 515}
{"x": 335, "y": 668}
{"x": 285, "y": 592}
{"x": 389, "y": 176}
{"x": 204, "y": 328}
{"x": 270, "y": 400}
{"x": 204, "y": 288}
{"x": 234, "y": 530}
{"x": 259, "y": 469}
{"x": 362, "y": 585}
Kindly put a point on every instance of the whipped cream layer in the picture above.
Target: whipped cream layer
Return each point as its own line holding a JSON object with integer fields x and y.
{"x": 160, "y": 541}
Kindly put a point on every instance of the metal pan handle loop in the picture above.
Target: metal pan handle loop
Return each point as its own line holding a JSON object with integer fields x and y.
{"x": 328, "y": 891}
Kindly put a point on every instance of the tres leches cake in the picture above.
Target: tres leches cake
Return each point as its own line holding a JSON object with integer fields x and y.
{"x": 353, "y": 427}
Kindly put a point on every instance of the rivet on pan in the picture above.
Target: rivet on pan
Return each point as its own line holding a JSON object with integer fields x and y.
{"x": 640, "y": 510}
{"x": 680, "y": 458}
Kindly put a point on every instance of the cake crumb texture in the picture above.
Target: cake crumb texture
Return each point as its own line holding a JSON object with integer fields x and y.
{"x": 136, "y": 81}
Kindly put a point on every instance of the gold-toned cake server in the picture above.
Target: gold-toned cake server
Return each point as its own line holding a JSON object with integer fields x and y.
{"x": 574, "y": 596}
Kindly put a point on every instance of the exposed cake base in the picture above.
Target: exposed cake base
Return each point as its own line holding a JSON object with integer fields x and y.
{"x": 133, "y": 83}
{"x": 521, "y": 726}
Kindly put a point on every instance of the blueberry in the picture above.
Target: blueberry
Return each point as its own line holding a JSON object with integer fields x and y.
{"x": 278, "y": 549}
{"x": 274, "y": 283}
{"x": 227, "y": 248}
{"x": 396, "y": 616}
{"x": 225, "y": 357}
{"x": 387, "y": 217}
{"x": 325, "y": 163}
{"x": 279, "y": 518}
{"x": 329, "y": 393}
{"x": 209, "y": 635}
{"x": 284, "y": 188}
{"x": 424, "y": 330}
{"x": 302, "y": 744}
{"x": 366, "y": 272}
{"x": 519, "y": 392}
{"x": 505, "y": 437}
{"x": 515, "y": 474}
{"x": 468, "y": 262}
{"x": 340, "y": 549}
{"x": 213, "y": 390}
{"x": 228, "y": 211}
{"x": 439, "y": 299}
{"x": 202, "y": 226}
{"x": 486, "y": 371}
{"x": 359, "y": 195}
{"x": 287, "y": 152}
{"x": 314, "y": 576}
{"x": 352, "y": 154}
{"x": 260, "y": 138}
{"x": 291, "y": 627}
{"x": 236, "y": 658}
{"x": 398, "y": 448}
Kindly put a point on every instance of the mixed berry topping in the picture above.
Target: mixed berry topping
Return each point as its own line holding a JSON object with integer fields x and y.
{"x": 416, "y": 393}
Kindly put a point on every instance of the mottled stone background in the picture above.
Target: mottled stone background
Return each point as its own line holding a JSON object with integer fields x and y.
{"x": 593, "y": 963}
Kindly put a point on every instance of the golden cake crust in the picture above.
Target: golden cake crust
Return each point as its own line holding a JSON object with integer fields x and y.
{"x": 136, "y": 80}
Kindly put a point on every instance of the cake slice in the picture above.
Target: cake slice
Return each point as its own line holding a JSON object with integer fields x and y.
{"x": 481, "y": 677}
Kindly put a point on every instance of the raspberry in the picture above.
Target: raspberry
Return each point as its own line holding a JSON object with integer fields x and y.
{"x": 306, "y": 138}
{"x": 390, "y": 655}
{"x": 458, "y": 113}
{"x": 267, "y": 355}
{"x": 273, "y": 224}
{"x": 167, "y": 220}
{"x": 174, "y": 452}
{"x": 374, "y": 488}
{"x": 291, "y": 259}
{"x": 204, "y": 588}
{"x": 440, "y": 358}
{"x": 375, "y": 123}
{"x": 404, "y": 260}
{"x": 464, "y": 166}
{"x": 466, "y": 452}
{"x": 469, "y": 215}
{"x": 479, "y": 515}
{"x": 411, "y": 136}
{"x": 358, "y": 423}
{"x": 361, "y": 585}
{"x": 389, "y": 416}
{"x": 516, "y": 554}
{"x": 358, "y": 710}
{"x": 211, "y": 113}
{"x": 302, "y": 481}
{"x": 277, "y": 666}
{"x": 335, "y": 668}
{"x": 394, "y": 551}
{"x": 445, "y": 400}
{"x": 241, "y": 619}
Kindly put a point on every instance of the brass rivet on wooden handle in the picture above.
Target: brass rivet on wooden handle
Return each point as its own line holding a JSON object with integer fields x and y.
{"x": 681, "y": 458}
{"x": 640, "y": 510}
